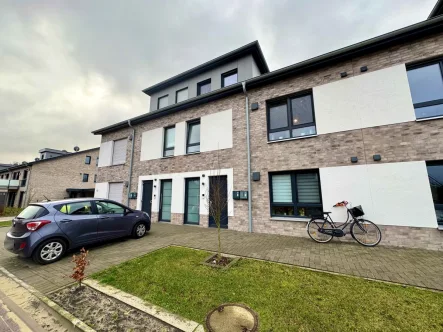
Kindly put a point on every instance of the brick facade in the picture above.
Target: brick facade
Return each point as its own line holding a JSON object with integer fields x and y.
{"x": 50, "y": 178}
{"x": 396, "y": 143}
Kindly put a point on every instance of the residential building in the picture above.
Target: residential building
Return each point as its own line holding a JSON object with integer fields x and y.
{"x": 66, "y": 175}
{"x": 47, "y": 153}
{"x": 362, "y": 124}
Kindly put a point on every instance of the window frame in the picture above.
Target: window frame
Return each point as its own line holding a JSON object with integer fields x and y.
{"x": 281, "y": 101}
{"x": 295, "y": 204}
{"x": 160, "y": 214}
{"x": 437, "y": 206}
{"x": 164, "y": 142}
{"x": 187, "y": 180}
{"x": 419, "y": 65}
{"x": 227, "y": 74}
{"x": 202, "y": 83}
{"x": 88, "y": 160}
{"x": 177, "y": 92}
{"x": 83, "y": 177}
{"x": 191, "y": 123}
{"x": 158, "y": 101}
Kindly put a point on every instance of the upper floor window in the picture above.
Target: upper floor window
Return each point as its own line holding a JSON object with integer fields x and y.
{"x": 229, "y": 78}
{"x": 181, "y": 95}
{"x": 295, "y": 194}
{"x": 162, "y": 102}
{"x": 291, "y": 118}
{"x": 15, "y": 175}
{"x": 88, "y": 160}
{"x": 85, "y": 177}
{"x": 193, "y": 139}
{"x": 426, "y": 84}
{"x": 204, "y": 87}
{"x": 119, "y": 152}
{"x": 169, "y": 142}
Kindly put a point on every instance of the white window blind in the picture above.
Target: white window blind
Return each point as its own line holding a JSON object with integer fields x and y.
{"x": 119, "y": 152}
{"x": 281, "y": 188}
{"x": 308, "y": 190}
{"x": 116, "y": 192}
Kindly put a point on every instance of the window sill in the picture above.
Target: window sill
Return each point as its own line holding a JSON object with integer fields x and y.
{"x": 297, "y": 219}
{"x": 191, "y": 153}
{"x": 293, "y": 138}
{"x": 167, "y": 157}
{"x": 430, "y": 118}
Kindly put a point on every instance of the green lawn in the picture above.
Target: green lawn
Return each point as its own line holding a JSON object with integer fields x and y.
{"x": 6, "y": 223}
{"x": 286, "y": 298}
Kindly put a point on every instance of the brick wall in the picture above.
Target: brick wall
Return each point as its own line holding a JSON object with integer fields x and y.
{"x": 51, "y": 178}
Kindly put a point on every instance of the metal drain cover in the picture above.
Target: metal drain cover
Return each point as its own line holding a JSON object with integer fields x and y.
{"x": 232, "y": 317}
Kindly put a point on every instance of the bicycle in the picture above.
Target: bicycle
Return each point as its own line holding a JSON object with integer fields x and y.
{"x": 322, "y": 228}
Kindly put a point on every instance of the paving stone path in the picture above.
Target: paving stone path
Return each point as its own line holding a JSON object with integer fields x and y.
{"x": 407, "y": 266}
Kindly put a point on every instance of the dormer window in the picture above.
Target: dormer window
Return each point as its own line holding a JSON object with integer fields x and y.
{"x": 204, "y": 87}
{"x": 229, "y": 78}
{"x": 162, "y": 102}
{"x": 181, "y": 95}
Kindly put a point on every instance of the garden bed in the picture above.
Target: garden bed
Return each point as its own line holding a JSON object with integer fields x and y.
{"x": 104, "y": 313}
{"x": 286, "y": 298}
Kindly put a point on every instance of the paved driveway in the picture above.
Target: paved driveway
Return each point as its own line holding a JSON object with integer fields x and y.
{"x": 408, "y": 266}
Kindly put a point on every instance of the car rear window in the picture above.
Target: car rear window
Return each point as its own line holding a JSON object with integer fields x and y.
{"x": 32, "y": 212}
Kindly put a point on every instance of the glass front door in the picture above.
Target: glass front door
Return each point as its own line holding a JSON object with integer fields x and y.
{"x": 192, "y": 201}
{"x": 165, "y": 203}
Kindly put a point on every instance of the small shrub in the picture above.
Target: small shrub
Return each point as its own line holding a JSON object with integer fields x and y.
{"x": 11, "y": 212}
{"x": 80, "y": 266}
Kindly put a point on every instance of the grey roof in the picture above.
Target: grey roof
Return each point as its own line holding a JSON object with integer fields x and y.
{"x": 417, "y": 30}
{"x": 252, "y": 48}
{"x": 437, "y": 10}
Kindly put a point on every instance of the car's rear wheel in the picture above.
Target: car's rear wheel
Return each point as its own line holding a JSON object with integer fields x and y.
{"x": 139, "y": 230}
{"x": 49, "y": 251}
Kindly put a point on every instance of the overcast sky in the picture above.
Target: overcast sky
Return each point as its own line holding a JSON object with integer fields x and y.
{"x": 69, "y": 67}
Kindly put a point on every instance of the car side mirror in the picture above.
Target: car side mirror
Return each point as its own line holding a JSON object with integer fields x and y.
{"x": 126, "y": 212}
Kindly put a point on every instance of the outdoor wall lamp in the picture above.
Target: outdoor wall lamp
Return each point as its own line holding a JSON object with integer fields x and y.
{"x": 203, "y": 183}
{"x": 203, "y": 175}
{"x": 354, "y": 160}
{"x": 343, "y": 74}
{"x": 376, "y": 157}
{"x": 363, "y": 69}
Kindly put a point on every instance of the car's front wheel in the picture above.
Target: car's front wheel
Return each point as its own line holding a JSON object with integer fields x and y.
{"x": 139, "y": 230}
{"x": 49, "y": 251}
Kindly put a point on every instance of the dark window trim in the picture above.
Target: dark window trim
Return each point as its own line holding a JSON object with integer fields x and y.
{"x": 162, "y": 182}
{"x": 96, "y": 161}
{"x": 88, "y": 160}
{"x": 185, "y": 220}
{"x": 164, "y": 141}
{"x": 176, "y": 94}
{"x": 158, "y": 101}
{"x": 227, "y": 74}
{"x": 294, "y": 203}
{"x": 287, "y": 100}
{"x": 202, "y": 83}
{"x": 87, "y": 177}
{"x": 188, "y": 145}
{"x": 426, "y": 63}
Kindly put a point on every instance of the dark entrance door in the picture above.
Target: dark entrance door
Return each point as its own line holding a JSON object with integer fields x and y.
{"x": 147, "y": 197}
{"x": 218, "y": 194}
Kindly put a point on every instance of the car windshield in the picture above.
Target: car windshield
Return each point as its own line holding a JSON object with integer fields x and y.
{"x": 32, "y": 211}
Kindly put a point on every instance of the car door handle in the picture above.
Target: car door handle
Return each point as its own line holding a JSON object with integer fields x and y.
{"x": 104, "y": 217}
{"x": 65, "y": 220}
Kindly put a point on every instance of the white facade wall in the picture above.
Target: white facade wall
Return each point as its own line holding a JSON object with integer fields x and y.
{"x": 178, "y": 189}
{"x": 377, "y": 98}
{"x": 396, "y": 194}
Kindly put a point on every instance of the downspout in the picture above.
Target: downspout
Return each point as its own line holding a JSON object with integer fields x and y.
{"x": 248, "y": 148}
{"x": 130, "y": 164}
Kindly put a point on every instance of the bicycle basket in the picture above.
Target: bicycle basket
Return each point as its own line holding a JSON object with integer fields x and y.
{"x": 357, "y": 211}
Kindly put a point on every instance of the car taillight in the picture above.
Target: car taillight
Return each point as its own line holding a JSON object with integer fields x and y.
{"x": 34, "y": 225}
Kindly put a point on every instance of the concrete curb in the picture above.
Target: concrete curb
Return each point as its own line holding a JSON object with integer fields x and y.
{"x": 176, "y": 321}
{"x": 77, "y": 323}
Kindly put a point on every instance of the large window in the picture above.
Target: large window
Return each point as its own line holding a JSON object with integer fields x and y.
{"x": 192, "y": 201}
{"x": 193, "y": 139}
{"x": 85, "y": 177}
{"x": 291, "y": 118}
{"x": 169, "y": 142}
{"x": 229, "y": 78}
{"x": 162, "y": 102}
{"x": 88, "y": 160}
{"x": 435, "y": 174}
{"x": 426, "y": 84}
{"x": 181, "y": 95}
{"x": 295, "y": 194}
{"x": 119, "y": 152}
{"x": 165, "y": 200}
{"x": 204, "y": 87}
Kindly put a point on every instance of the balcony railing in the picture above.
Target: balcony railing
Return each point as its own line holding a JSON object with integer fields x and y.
{"x": 11, "y": 184}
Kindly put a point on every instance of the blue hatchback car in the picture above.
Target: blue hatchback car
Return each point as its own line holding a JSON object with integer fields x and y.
{"x": 44, "y": 231}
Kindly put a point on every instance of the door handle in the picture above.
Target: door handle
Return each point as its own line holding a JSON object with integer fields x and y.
{"x": 65, "y": 220}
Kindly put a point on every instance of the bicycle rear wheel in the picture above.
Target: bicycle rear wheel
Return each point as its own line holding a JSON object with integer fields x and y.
{"x": 366, "y": 232}
{"x": 313, "y": 227}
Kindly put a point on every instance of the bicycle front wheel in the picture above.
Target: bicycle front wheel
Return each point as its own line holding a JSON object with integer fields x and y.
{"x": 313, "y": 228}
{"x": 366, "y": 233}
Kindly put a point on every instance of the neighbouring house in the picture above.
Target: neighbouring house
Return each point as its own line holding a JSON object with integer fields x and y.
{"x": 363, "y": 123}
{"x": 58, "y": 175}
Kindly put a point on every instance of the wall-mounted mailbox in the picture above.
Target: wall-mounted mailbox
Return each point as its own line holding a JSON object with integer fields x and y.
{"x": 243, "y": 194}
{"x": 236, "y": 194}
{"x": 255, "y": 176}
{"x": 254, "y": 106}
{"x": 132, "y": 195}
